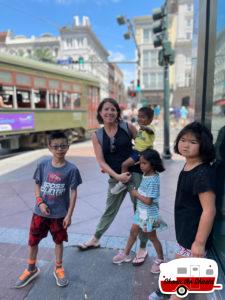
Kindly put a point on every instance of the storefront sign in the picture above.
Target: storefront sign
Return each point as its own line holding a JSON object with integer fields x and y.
{"x": 11, "y": 122}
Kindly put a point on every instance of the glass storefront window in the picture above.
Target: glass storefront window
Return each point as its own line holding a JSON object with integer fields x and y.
{"x": 218, "y": 128}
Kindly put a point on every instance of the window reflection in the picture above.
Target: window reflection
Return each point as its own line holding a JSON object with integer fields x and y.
{"x": 218, "y": 130}
{"x": 218, "y": 112}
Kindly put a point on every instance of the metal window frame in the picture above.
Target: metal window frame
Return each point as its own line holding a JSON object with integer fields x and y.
{"x": 205, "y": 61}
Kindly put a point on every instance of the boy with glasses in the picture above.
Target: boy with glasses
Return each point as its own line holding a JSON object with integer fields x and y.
{"x": 56, "y": 182}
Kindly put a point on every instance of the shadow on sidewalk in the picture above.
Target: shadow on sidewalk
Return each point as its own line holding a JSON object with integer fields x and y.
{"x": 93, "y": 276}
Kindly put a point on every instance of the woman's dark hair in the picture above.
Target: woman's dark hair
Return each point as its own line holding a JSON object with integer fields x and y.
{"x": 114, "y": 103}
{"x": 203, "y": 136}
{"x": 154, "y": 158}
{"x": 57, "y": 135}
{"x": 147, "y": 111}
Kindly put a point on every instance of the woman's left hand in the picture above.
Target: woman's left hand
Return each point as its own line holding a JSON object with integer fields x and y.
{"x": 197, "y": 249}
{"x": 124, "y": 177}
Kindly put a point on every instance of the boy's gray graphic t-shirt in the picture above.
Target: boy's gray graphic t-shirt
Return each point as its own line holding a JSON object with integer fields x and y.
{"x": 55, "y": 184}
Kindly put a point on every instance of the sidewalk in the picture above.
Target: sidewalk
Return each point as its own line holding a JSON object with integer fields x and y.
{"x": 92, "y": 274}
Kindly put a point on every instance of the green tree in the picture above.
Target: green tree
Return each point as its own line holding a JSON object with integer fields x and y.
{"x": 43, "y": 54}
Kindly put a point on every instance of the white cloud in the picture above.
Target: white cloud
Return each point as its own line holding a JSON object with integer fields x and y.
{"x": 64, "y": 2}
{"x": 116, "y": 56}
{"x": 129, "y": 75}
{"x": 67, "y": 2}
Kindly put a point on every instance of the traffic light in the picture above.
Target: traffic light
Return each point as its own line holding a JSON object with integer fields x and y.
{"x": 131, "y": 93}
{"x": 138, "y": 88}
{"x": 168, "y": 52}
{"x": 160, "y": 27}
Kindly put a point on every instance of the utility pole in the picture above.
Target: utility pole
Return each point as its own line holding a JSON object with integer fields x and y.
{"x": 166, "y": 58}
{"x": 121, "y": 20}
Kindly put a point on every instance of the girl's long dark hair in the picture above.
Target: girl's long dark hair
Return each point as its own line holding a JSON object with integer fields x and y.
{"x": 203, "y": 136}
{"x": 153, "y": 157}
{"x": 114, "y": 103}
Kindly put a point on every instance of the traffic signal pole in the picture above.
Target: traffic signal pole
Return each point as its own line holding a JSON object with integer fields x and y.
{"x": 121, "y": 21}
{"x": 166, "y": 98}
{"x": 166, "y": 127}
{"x": 166, "y": 58}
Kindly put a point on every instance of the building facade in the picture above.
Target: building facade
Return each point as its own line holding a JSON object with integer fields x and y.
{"x": 80, "y": 41}
{"x": 180, "y": 33}
{"x": 151, "y": 74}
{"x": 180, "y": 23}
{"x": 74, "y": 42}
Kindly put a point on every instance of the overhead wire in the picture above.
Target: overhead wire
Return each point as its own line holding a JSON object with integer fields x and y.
{"x": 42, "y": 19}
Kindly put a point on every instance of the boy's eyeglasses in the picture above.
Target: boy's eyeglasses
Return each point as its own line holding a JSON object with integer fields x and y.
{"x": 56, "y": 147}
{"x": 112, "y": 145}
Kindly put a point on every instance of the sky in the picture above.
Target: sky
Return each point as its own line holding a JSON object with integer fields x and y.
{"x": 35, "y": 17}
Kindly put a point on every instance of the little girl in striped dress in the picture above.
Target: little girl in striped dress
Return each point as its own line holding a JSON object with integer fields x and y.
{"x": 146, "y": 217}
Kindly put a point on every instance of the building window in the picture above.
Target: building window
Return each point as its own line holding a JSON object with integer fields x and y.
{"x": 189, "y": 7}
{"x": 188, "y": 22}
{"x": 188, "y": 35}
{"x": 69, "y": 42}
{"x": 187, "y": 78}
{"x": 150, "y": 58}
{"x": 147, "y": 35}
{"x": 153, "y": 81}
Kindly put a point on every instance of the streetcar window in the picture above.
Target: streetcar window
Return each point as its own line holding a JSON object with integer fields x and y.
{"x": 6, "y": 97}
{"x": 23, "y": 98}
{"x": 54, "y": 100}
{"x": 66, "y": 100}
{"x": 40, "y": 99}
{"x": 75, "y": 100}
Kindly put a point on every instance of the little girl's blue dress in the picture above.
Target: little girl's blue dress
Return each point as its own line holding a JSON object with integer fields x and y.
{"x": 147, "y": 216}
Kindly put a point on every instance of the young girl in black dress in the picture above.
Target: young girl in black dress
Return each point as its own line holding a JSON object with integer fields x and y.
{"x": 195, "y": 197}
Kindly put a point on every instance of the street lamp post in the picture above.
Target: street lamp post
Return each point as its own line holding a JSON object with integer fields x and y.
{"x": 130, "y": 33}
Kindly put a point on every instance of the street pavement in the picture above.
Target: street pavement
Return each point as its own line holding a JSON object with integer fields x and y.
{"x": 92, "y": 274}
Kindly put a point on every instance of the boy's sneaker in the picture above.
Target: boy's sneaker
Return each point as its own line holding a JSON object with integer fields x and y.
{"x": 26, "y": 277}
{"x": 155, "y": 267}
{"x": 60, "y": 277}
{"x": 157, "y": 295}
{"x": 118, "y": 188}
{"x": 121, "y": 257}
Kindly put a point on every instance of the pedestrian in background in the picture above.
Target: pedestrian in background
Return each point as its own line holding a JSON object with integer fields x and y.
{"x": 111, "y": 151}
{"x": 195, "y": 196}
{"x": 56, "y": 182}
{"x": 183, "y": 115}
{"x": 146, "y": 217}
{"x": 144, "y": 140}
{"x": 157, "y": 111}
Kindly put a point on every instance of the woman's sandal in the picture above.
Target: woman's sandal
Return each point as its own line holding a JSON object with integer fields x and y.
{"x": 85, "y": 247}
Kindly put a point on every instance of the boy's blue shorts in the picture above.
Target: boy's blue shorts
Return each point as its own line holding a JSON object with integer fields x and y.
{"x": 135, "y": 155}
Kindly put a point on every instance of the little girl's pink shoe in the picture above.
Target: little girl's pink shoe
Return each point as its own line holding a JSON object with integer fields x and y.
{"x": 155, "y": 267}
{"x": 121, "y": 257}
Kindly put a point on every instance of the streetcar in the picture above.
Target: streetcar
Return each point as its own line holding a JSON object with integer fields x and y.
{"x": 37, "y": 98}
